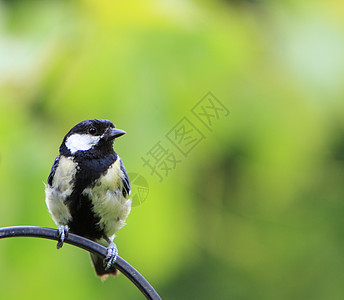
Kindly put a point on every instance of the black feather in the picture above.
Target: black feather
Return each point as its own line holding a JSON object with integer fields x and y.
{"x": 125, "y": 180}
{"x": 98, "y": 263}
{"x": 90, "y": 166}
{"x": 84, "y": 222}
{"x": 53, "y": 170}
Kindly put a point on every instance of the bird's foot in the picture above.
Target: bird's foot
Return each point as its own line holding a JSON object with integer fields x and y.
{"x": 111, "y": 256}
{"x": 62, "y": 232}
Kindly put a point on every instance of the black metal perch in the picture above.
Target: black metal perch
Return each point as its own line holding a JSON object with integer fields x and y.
{"x": 88, "y": 245}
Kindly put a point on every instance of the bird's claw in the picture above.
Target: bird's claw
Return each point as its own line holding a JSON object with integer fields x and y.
{"x": 62, "y": 232}
{"x": 111, "y": 256}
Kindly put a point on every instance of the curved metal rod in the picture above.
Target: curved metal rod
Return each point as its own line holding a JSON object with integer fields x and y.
{"x": 48, "y": 233}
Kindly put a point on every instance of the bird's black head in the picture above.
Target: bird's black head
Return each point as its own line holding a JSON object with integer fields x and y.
{"x": 94, "y": 135}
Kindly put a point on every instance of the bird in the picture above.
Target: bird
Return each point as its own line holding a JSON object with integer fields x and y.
{"x": 88, "y": 188}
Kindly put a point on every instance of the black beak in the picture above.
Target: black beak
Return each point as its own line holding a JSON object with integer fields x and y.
{"x": 113, "y": 133}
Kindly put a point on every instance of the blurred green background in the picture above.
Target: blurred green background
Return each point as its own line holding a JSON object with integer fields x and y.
{"x": 255, "y": 210}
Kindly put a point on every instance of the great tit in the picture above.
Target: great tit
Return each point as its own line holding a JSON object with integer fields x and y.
{"x": 87, "y": 189}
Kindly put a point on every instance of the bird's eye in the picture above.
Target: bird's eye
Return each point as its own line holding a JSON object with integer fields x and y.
{"x": 92, "y": 130}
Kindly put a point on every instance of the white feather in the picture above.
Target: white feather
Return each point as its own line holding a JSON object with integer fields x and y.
{"x": 108, "y": 201}
{"x": 106, "y": 195}
{"x": 81, "y": 142}
{"x": 61, "y": 188}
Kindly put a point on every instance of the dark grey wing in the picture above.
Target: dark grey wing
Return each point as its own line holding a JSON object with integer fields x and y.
{"x": 125, "y": 180}
{"x": 53, "y": 170}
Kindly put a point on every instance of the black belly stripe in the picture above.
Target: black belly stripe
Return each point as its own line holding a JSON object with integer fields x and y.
{"x": 84, "y": 222}
{"x": 91, "y": 168}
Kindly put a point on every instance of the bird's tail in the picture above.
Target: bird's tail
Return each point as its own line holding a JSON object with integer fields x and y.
{"x": 98, "y": 263}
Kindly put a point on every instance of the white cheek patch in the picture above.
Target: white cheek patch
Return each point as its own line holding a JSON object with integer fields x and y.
{"x": 81, "y": 142}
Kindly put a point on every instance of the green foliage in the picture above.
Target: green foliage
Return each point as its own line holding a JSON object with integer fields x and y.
{"x": 255, "y": 211}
